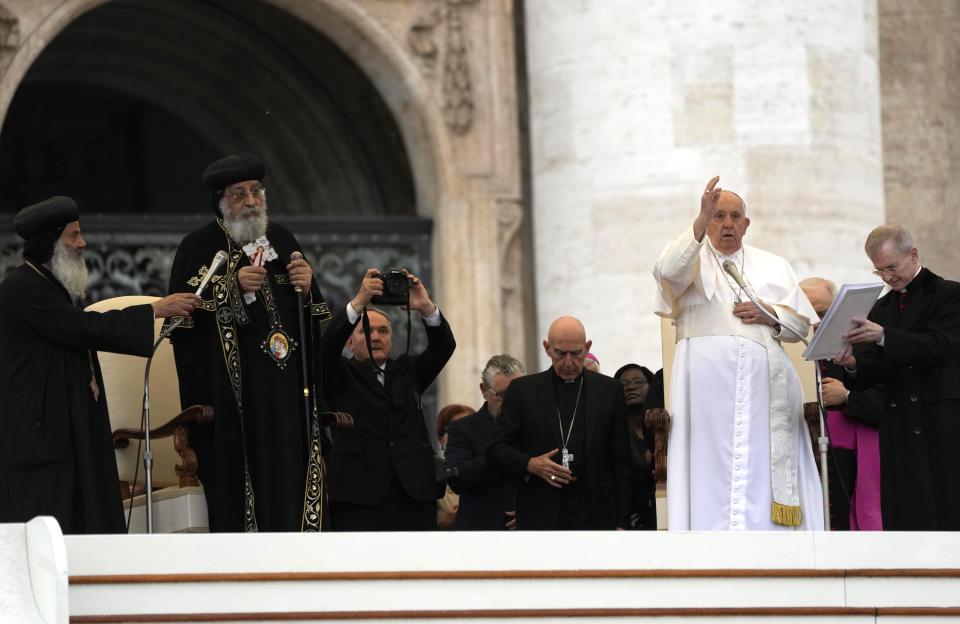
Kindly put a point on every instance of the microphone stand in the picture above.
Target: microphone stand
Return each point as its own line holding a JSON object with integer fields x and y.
{"x": 147, "y": 449}
{"x": 822, "y": 440}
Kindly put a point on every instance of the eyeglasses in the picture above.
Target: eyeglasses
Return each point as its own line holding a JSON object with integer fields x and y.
{"x": 887, "y": 270}
{"x": 239, "y": 194}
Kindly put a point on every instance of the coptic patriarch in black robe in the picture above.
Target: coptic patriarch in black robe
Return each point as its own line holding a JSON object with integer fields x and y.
{"x": 241, "y": 353}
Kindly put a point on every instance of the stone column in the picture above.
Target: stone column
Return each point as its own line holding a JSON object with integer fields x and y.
{"x": 919, "y": 63}
{"x": 634, "y": 109}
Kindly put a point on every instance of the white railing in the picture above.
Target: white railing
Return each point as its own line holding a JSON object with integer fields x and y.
{"x": 515, "y": 576}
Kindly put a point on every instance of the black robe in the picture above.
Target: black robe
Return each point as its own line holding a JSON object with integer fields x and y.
{"x": 259, "y": 427}
{"x": 918, "y": 369}
{"x": 56, "y": 454}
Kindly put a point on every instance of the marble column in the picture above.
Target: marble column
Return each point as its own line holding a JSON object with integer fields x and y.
{"x": 919, "y": 64}
{"x": 633, "y": 109}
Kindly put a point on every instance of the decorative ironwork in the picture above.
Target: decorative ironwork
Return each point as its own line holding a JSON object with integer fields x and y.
{"x": 132, "y": 255}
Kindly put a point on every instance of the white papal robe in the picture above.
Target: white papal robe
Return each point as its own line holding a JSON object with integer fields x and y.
{"x": 718, "y": 461}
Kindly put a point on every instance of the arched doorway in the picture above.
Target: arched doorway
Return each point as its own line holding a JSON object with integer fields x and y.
{"x": 448, "y": 205}
{"x": 124, "y": 108}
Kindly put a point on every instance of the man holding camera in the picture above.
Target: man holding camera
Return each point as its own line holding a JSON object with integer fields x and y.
{"x": 381, "y": 474}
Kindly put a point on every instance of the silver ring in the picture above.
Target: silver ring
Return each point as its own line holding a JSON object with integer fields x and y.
{"x": 553, "y": 477}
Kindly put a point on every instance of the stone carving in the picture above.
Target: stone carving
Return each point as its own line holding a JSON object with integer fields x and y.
{"x": 9, "y": 29}
{"x": 456, "y": 88}
{"x": 510, "y": 258}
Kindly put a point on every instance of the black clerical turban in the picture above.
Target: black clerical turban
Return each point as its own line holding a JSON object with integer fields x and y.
{"x": 40, "y": 226}
{"x": 234, "y": 168}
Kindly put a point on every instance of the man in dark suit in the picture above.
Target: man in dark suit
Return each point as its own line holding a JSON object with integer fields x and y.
{"x": 381, "y": 473}
{"x": 564, "y": 433}
{"x": 910, "y": 344}
{"x": 486, "y": 496}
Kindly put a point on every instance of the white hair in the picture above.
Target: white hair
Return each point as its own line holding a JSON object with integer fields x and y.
{"x": 249, "y": 225}
{"x": 70, "y": 270}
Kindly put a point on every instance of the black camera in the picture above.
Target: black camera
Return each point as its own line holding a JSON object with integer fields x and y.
{"x": 396, "y": 288}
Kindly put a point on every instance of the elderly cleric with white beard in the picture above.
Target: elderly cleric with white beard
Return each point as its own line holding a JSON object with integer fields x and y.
{"x": 241, "y": 353}
{"x": 56, "y": 453}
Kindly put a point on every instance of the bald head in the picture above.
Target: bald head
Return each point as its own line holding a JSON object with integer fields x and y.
{"x": 566, "y": 328}
{"x": 567, "y": 345}
{"x": 820, "y": 292}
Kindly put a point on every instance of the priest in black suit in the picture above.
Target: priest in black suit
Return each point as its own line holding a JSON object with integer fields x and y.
{"x": 56, "y": 452}
{"x": 910, "y": 346}
{"x": 486, "y": 496}
{"x": 564, "y": 433}
{"x": 381, "y": 474}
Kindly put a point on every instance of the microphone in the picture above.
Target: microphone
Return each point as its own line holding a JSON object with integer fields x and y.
{"x": 296, "y": 256}
{"x": 730, "y": 267}
{"x": 218, "y": 260}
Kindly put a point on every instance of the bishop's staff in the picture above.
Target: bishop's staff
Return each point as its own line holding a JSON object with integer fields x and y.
{"x": 303, "y": 356}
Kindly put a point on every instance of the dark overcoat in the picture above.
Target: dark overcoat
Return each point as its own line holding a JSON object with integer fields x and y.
{"x": 919, "y": 369}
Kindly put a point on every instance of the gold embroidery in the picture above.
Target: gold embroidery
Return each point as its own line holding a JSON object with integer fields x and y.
{"x": 320, "y": 309}
{"x": 312, "y": 519}
{"x": 195, "y": 280}
{"x": 230, "y": 346}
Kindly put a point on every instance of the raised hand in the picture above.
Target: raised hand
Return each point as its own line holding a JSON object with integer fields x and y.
{"x": 419, "y": 297}
{"x": 370, "y": 286}
{"x": 708, "y": 206}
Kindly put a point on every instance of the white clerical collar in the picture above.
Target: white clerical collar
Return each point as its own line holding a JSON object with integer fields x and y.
{"x": 919, "y": 268}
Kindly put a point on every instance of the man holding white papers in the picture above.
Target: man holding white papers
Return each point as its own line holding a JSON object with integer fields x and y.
{"x": 911, "y": 343}
{"x": 740, "y": 456}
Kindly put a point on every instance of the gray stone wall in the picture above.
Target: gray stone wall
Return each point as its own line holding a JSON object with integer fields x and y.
{"x": 920, "y": 87}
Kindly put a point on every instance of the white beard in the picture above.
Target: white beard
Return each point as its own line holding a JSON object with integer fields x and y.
{"x": 249, "y": 225}
{"x": 70, "y": 269}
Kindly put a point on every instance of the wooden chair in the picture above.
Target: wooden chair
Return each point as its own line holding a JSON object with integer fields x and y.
{"x": 659, "y": 419}
{"x": 179, "y": 502}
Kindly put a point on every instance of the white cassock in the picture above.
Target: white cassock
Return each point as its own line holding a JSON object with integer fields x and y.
{"x": 719, "y": 471}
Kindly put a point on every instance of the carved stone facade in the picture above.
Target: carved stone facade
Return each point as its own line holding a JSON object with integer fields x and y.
{"x": 446, "y": 70}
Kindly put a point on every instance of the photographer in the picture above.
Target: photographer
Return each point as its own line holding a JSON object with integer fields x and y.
{"x": 381, "y": 473}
